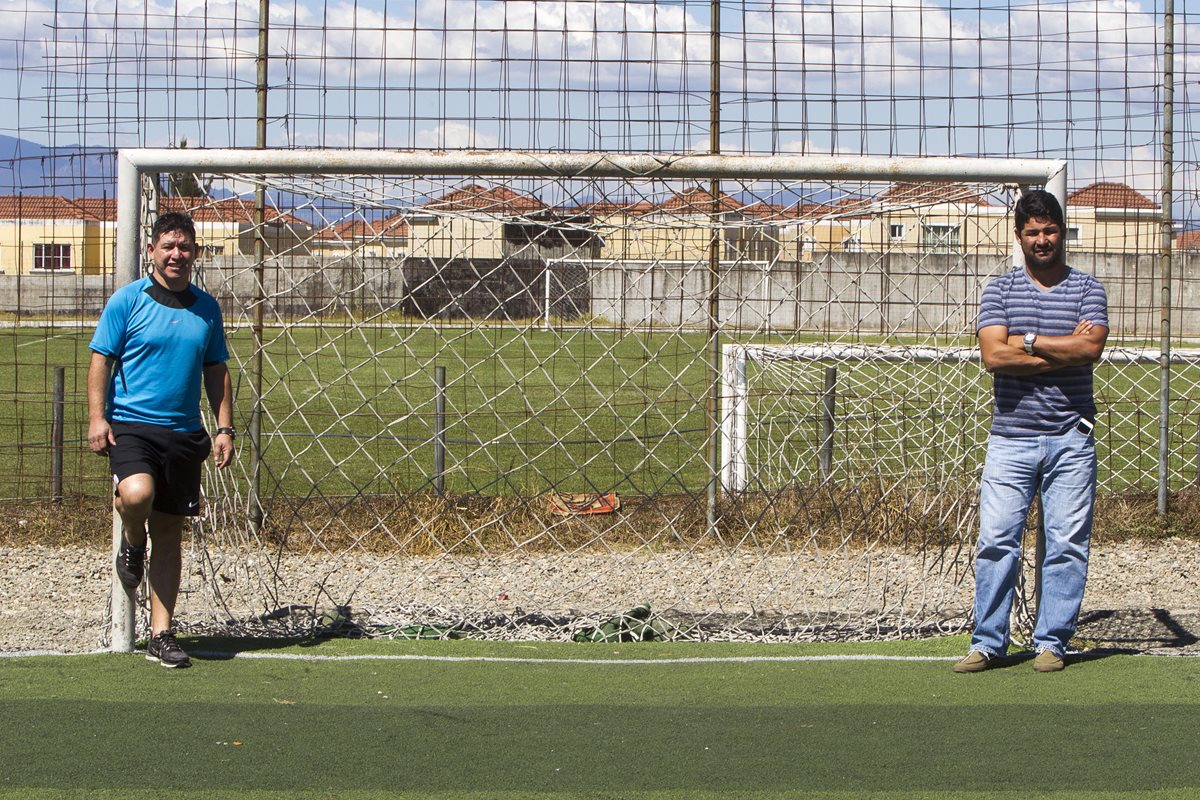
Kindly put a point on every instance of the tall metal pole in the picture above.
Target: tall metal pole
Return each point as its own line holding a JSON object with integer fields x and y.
{"x": 128, "y": 260}
{"x": 714, "y": 271}
{"x": 255, "y": 510}
{"x": 1165, "y": 258}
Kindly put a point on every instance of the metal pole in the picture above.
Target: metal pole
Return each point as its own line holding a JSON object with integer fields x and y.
{"x": 714, "y": 274}
{"x": 1165, "y": 256}
{"x": 828, "y": 412}
{"x": 56, "y": 435}
{"x": 255, "y": 510}
{"x": 546, "y": 299}
{"x": 128, "y": 259}
{"x": 439, "y": 430}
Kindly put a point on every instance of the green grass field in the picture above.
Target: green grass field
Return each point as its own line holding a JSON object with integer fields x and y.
{"x": 350, "y": 410}
{"x": 476, "y": 719}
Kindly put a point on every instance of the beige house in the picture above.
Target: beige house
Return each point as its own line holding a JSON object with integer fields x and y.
{"x": 42, "y": 234}
{"x": 679, "y": 229}
{"x": 385, "y": 238}
{"x": 45, "y": 234}
{"x": 927, "y": 218}
{"x": 952, "y": 218}
{"x": 1112, "y": 218}
{"x": 226, "y": 226}
{"x": 472, "y": 222}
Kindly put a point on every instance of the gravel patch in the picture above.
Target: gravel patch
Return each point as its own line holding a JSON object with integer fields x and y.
{"x": 1141, "y": 596}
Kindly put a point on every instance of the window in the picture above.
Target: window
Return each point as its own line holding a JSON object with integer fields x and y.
{"x": 1073, "y": 234}
{"x": 896, "y": 231}
{"x": 940, "y": 238}
{"x": 852, "y": 244}
{"x": 52, "y": 257}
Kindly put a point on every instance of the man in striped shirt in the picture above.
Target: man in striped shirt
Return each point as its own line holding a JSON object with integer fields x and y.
{"x": 1041, "y": 328}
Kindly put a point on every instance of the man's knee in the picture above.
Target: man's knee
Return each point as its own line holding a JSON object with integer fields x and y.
{"x": 135, "y": 494}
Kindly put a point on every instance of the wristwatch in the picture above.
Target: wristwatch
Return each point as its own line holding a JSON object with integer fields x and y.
{"x": 231, "y": 432}
{"x": 1030, "y": 338}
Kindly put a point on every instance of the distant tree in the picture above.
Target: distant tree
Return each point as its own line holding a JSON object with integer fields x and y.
{"x": 185, "y": 184}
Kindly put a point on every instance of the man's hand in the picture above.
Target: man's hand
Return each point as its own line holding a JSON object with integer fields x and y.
{"x": 100, "y": 437}
{"x": 223, "y": 450}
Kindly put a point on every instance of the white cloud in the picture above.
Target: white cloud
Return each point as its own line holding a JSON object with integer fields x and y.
{"x": 455, "y": 135}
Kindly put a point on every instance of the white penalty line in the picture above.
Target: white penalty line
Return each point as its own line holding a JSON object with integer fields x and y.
{"x": 218, "y": 655}
{"x": 589, "y": 661}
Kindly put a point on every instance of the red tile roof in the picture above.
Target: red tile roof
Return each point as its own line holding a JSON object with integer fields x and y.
{"x": 931, "y": 193}
{"x": 496, "y": 200}
{"x": 229, "y": 210}
{"x": 41, "y": 206}
{"x": 698, "y": 201}
{"x": 611, "y": 207}
{"x": 1108, "y": 195}
{"x": 393, "y": 227}
{"x": 1188, "y": 240}
{"x": 104, "y": 209}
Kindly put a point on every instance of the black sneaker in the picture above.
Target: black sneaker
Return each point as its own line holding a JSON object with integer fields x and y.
{"x": 131, "y": 563}
{"x": 166, "y": 651}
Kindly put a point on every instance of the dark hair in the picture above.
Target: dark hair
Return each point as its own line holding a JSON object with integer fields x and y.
{"x": 173, "y": 221}
{"x": 1038, "y": 203}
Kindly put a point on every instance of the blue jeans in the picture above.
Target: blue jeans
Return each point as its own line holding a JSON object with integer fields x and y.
{"x": 1063, "y": 468}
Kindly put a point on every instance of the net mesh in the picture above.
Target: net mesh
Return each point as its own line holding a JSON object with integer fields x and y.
{"x": 487, "y": 405}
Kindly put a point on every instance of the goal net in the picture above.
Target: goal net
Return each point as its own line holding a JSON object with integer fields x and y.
{"x": 519, "y": 396}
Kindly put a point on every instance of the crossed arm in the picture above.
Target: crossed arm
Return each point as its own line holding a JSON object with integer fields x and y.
{"x": 1005, "y": 353}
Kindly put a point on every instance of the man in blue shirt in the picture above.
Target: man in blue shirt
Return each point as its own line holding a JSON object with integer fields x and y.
{"x": 1041, "y": 328}
{"x": 159, "y": 339}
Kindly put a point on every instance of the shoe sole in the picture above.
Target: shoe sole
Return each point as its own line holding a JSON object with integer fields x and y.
{"x": 162, "y": 663}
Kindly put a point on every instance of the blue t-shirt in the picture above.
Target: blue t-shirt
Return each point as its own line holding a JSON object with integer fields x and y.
{"x": 1051, "y": 402}
{"x": 161, "y": 340}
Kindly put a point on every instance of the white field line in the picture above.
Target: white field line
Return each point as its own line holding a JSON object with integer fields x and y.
{"x": 220, "y": 655}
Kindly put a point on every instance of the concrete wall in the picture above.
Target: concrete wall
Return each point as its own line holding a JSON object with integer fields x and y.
{"x": 839, "y": 291}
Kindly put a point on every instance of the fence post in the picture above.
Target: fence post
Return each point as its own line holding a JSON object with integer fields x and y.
{"x": 828, "y": 410}
{"x": 439, "y": 430}
{"x": 56, "y": 435}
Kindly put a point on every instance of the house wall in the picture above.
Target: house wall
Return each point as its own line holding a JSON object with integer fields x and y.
{"x": 839, "y": 291}
{"x": 90, "y": 243}
{"x": 1102, "y": 232}
{"x": 457, "y": 237}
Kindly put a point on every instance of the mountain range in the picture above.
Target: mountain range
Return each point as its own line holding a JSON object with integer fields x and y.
{"x": 72, "y": 171}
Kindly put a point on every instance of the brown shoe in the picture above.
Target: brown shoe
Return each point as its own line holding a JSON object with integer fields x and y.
{"x": 976, "y": 661}
{"x": 1048, "y": 661}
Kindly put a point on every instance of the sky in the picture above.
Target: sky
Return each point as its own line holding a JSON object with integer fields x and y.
{"x": 1078, "y": 80}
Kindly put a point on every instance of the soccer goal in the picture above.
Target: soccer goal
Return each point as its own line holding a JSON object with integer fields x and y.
{"x": 518, "y": 395}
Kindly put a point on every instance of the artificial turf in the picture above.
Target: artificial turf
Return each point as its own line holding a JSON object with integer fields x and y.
{"x": 568, "y": 727}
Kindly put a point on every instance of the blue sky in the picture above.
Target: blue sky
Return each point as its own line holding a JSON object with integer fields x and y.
{"x": 894, "y": 77}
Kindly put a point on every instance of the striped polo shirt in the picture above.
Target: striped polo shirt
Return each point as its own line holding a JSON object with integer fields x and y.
{"x": 1051, "y": 402}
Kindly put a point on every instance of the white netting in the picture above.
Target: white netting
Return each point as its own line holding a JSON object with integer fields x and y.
{"x": 575, "y": 321}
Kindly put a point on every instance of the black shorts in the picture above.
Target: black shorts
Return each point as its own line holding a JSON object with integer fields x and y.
{"x": 173, "y": 459}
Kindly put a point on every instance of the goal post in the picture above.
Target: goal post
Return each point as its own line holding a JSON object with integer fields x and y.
{"x": 622, "y": 396}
